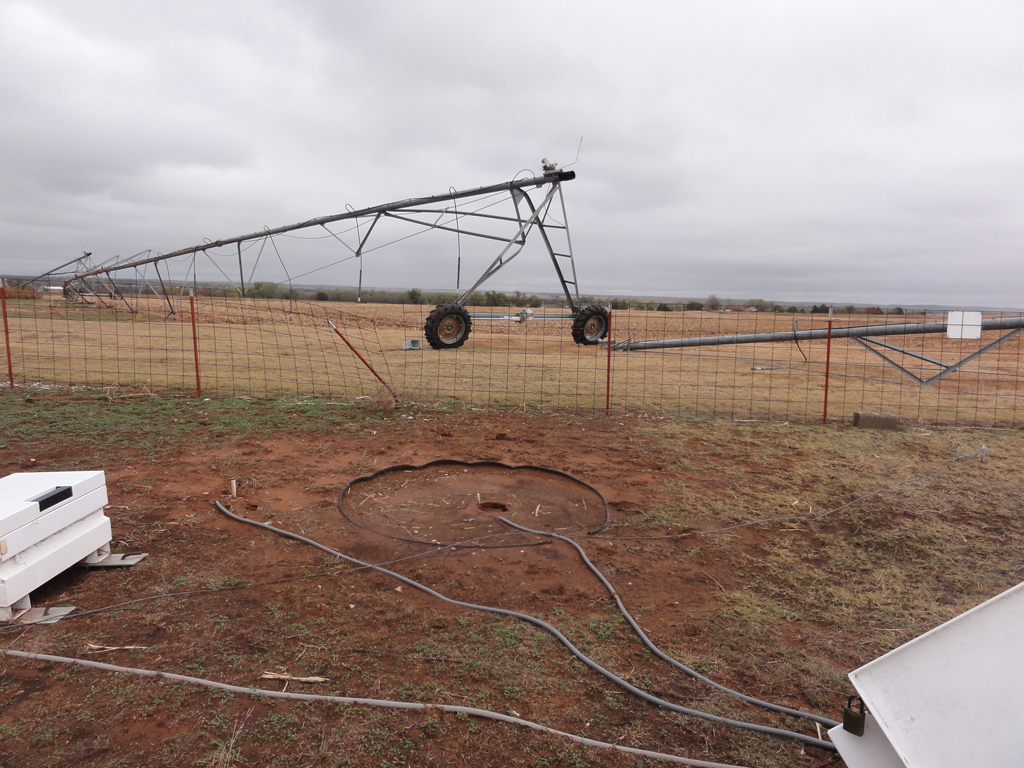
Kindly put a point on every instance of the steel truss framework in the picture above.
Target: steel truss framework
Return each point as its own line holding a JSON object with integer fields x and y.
{"x": 468, "y": 213}
{"x": 863, "y": 335}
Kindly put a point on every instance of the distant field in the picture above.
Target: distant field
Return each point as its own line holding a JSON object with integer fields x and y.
{"x": 271, "y": 348}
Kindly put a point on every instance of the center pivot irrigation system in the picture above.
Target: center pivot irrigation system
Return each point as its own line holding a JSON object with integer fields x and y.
{"x": 503, "y": 213}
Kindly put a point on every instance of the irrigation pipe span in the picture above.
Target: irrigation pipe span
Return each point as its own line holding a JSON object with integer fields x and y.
{"x": 809, "y": 740}
{"x": 415, "y": 706}
{"x": 658, "y": 652}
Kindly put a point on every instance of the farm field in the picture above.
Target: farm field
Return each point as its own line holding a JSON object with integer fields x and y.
{"x": 273, "y": 348}
{"x": 779, "y": 610}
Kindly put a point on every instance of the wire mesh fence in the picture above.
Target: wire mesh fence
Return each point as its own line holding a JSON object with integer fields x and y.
{"x": 273, "y": 348}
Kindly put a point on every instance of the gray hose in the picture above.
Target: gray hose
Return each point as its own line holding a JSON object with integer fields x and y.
{"x": 810, "y": 740}
{"x": 450, "y": 708}
{"x": 658, "y": 652}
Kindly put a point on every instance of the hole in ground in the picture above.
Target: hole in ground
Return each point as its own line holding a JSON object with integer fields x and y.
{"x": 494, "y": 506}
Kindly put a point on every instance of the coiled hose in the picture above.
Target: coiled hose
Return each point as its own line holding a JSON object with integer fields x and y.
{"x": 809, "y": 740}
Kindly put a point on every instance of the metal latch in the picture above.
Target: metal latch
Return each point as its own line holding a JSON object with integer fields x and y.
{"x": 853, "y": 719}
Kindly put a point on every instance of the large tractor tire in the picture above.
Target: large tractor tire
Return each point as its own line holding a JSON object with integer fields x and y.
{"x": 590, "y": 325}
{"x": 447, "y": 326}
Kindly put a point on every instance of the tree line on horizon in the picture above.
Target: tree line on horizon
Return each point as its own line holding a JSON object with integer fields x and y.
{"x": 518, "y": 299}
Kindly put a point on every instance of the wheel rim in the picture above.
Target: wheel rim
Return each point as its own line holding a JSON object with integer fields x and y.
{"x": 594, "y": 327}
{"x": 451, "y": 329}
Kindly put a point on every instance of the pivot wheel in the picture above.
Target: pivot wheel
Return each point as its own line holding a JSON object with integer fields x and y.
{"x": 447, "y": 326}
{"x": 590, "y": 325}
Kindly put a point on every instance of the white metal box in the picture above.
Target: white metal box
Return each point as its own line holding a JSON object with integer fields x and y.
{"x": 48, "y": 522}
{"x": 949, "y": 698}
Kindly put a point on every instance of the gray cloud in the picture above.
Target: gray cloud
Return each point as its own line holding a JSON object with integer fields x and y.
{"x": 862, "y": 151}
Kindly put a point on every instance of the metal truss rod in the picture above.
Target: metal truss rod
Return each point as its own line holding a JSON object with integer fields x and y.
{"x": 950, "y": 368}
{"x": 519, "y": 239}
{"x": 946, "y": 369}
{"x": 59, "y": 268}
{"x": 894, "y": 348}
{"x": 507, "y": 186}
{"x": 864, "y": 343}
{"x": 446, "y": 228}
{"x": 440, "y": 212}
{"x": 573, "y": 305}
{"x": 900, "y": 329}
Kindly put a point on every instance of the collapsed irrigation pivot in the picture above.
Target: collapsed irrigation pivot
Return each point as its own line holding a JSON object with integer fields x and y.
{"x": 504, "y": 213}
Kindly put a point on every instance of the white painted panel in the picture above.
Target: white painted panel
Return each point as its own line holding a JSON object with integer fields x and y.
{"x": 37, "y": 565}
{"x": 953, "y": 696}
{"x": 52, "y": 520}
{"x": 963, "y": 325}
{"x": 17, "y": 490}
{"x": 872, "y": 750}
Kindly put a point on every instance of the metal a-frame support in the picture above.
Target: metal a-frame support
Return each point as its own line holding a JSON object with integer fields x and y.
{"x": 947, "y": 369}
{"x": 865, "y": 335}
{"x": 538, "y": 218}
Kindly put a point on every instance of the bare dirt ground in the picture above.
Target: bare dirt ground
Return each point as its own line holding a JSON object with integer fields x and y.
{"x": 779, "y": 610}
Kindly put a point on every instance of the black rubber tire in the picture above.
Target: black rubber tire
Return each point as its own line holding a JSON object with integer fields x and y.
{"x": 590, "y": 325}
{"x": 447, "y": 326}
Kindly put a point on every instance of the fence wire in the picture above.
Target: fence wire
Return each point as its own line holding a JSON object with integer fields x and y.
{"x": 271, "y": 348}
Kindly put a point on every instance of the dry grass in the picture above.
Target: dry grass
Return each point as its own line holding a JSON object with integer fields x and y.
{"x": 780, "y": 610}
{"x": 268, "y": 349}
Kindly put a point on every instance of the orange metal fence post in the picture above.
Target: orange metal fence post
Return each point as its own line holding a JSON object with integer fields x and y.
{"x": 608, "y": 376}
{"x": 364, "y": 360}
{"x": 195, "y": 342}
{"x": 828, "y": 360}
{"x": 7, "y": 336}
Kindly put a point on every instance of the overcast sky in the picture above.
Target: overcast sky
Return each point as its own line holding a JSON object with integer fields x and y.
{"x": 859, "y": 151}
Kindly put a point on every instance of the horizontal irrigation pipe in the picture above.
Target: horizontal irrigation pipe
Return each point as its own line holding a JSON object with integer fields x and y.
{"x": 860, "y": 331}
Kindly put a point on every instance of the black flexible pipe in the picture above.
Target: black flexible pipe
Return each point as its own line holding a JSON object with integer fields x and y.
{"x": 550, "y": 629}
{"x": 664, "y": 656}
{"x": 407, "y": 705}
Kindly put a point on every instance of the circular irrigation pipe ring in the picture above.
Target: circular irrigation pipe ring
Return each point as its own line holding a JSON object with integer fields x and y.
{"x": 765, "y": 729}
{"x": 459, "y": 463}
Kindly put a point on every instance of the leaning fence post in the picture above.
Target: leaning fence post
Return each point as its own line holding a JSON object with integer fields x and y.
{"x": 7, "y": 335}
{"x": 828, "y": 359}
{"x": 195, "y": 341}
{"x": 608, "y": 375}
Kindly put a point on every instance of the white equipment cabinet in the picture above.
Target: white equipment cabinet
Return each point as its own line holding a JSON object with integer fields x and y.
{"x": 50, "y": 521}
{"x": 947, "y": 699}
